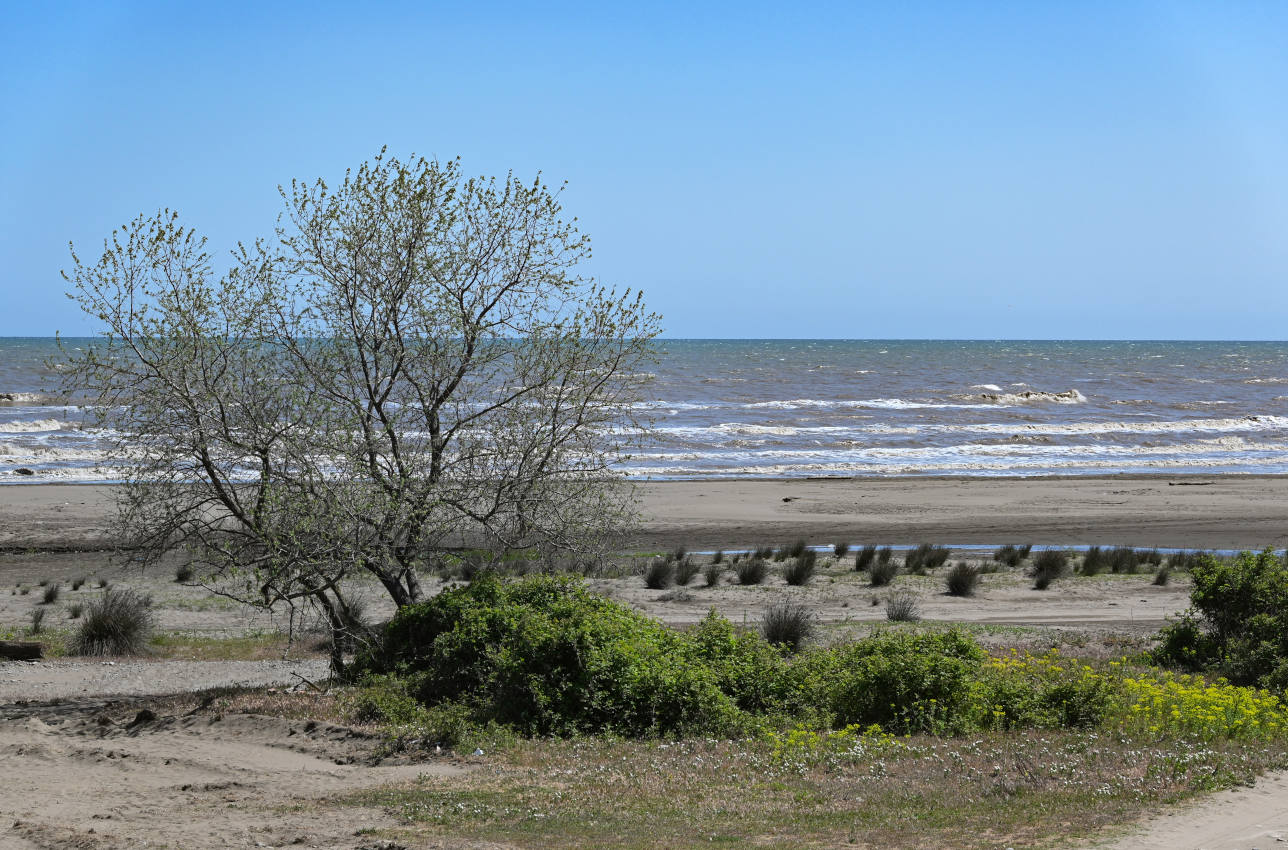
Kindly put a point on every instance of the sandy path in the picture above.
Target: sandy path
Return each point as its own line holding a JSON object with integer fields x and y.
{"x": 191, "y": 782}
{"x": 1253, "y": 818}
{"x": 44, "y": 681}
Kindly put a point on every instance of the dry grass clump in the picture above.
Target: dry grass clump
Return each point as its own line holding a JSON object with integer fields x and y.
{"x": 867, "y": 555}
{"x": 1123, "y": 559}
{"x": 882, "y": 572}
{"x": 38, "y": 620}
{"x": 1012, "y": 556}
{"x": 711, "y": 573}
{"x": 685, "y": 570}
{"x": 660, "y": 574}
{"x": 51, "y": 594}
{"x": 75, "y": 610}
{"x": 1049, "y": 565}
{"x": 117, "y": 623}
{"x": 788, "y": 624}
{"x": 1093, "y": 562}
{"x": 926, "y": 557}
{"x": 677, "y": 554}
{"x": 903, "y": 607}
{"x": 78, "y": 582}
{"x": 962, "y": 579}
{"x": 718, "y": 557}
{"x": 762, "y": 553}
{"x": 800, "y": 569}
{"x": 840, "y": 550}
{"x": 752, "y": 571}
{"x": 1163, "y": 576}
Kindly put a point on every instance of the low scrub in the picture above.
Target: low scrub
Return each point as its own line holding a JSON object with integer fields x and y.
{"x": 840, "y": 550}
{"x": 1049, "y": 565}
{"x": 1094, "y": 562}
{"x": 752, "y": 571}
{"x": 882, "y": 572}
{"x": 685, "y": 570}
{"x": 788, "y": 624}
{"x": 926, "y": 557}
{"x": 543, "y": 656}
{"x": 119, "y": 622}
{"x": 711, "y": 573}
{"x": 1238, "y": 625}
{"x": 1011, "y": 555}
{"x": 1123, "y": 559}
{"x": 962, "y": 580}
{"x": 50, "y": 594}
{"x": 660, "y": 574}
{"x": 800, "y": 570}
{"x": 903, "y": 607}
{"x": 865, "y": 558}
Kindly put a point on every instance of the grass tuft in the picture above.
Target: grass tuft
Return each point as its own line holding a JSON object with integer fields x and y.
{"x": 752, "y": 571}
{"x": 117, "y": 623}
{"x": 882, "y": 572}
{"x": 788, "y": 624}
{"x": 903, "y": 607}
{"x": 864, "y": 559}
{"x": 659, "y": 575}
{"x": 51, "y": 594}
{"x": 1049, "y": 565}
{"x": 183, "y": 574}
{"x": 685, "y": 570}
{"x": 711, "y": 573}
{"x": 840, "y": 550}
{"x": 800, "y": 569}
{"x": 962, "y": 580}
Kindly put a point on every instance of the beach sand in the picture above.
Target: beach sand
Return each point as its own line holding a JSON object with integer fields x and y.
{"x": 1207, "y": 512}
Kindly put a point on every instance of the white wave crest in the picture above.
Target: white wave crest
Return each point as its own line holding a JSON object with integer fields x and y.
{"x": 30, "y": 426}
{"x": 990, "y": 387}
{"x": 1035, "y": 396}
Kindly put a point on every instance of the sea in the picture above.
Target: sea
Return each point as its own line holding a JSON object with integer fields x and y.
{"x": 847, "y": 408}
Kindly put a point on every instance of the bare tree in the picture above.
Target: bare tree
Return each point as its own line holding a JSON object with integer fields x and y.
{"x": 411, "y": 361}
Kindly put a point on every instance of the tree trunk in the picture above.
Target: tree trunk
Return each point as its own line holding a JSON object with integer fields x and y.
{"x": 20, "y": 650}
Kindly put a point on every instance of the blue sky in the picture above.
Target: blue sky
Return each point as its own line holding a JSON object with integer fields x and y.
{"x": 961, "y": 170}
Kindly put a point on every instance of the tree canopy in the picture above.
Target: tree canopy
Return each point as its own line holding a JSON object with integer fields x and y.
{"x": 411, "y": 361}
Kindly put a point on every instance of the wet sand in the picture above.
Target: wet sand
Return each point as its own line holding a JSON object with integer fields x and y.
{"x": 1208, "y": 512}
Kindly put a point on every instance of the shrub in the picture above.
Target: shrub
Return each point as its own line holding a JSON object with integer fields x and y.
{"x": 24, "y": 590}
{"x": 926, "y": 557}
{"x": 677, "y": 554}
{"x": 962, "y": 580}
{"x": 78, "y": 582}
{"x": 752, "y": 571}
{"x": 1009, "y": 555}
{"x": 882, "y": 572}
{"x": 1093, "y": 562}
{"x": 864, "y": 559}
{"x": 75, "y": 610}
{"x": 903, "y": 607}
{"x": 796, "y": 549}
{"x": 840, "y": 550}
{"x": 659, "y": 575}
{"x": 103, "y": 583}
{"x": 1162, "y": 576}
{"x": 1239, "y": 624}
{"x": 711, "y": 573}
{"x": 788, "y": 624}
{"x": 904, "y": 682}
{"x": 51, "y": 594}
{"x": 119, "y": 622}
{"x": 763, "y": 553}
{"x": 1025, "y": 550}
{"x": 38, "y": 620}
{"x": 685, "y": 570}
{"x": 885, "y": 554}
{"x": 1153, "y": 557}
{"x": 718, "y": 557}
{"x": 1049, "y": 565}
{"x": 183, "y": 574}
{"x": 800, "y": 569}
{"x": 1123, "y": 559}
{"x": 546, "y": 656}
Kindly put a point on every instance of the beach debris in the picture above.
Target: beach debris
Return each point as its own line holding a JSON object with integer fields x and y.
{"x": 22, "y": 470}
{"x": 21, "y": 650}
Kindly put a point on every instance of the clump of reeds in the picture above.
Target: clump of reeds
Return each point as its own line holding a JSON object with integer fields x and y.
{"x": 840, "y": 550}
{"x": 800, "y": 569}
{"x": 711, "y": 573}
{"x": 677, "y": 554}
{"x": 763, "y": 553}
{"x": 1153, "y": 557}
{"x": 1093, "y": 562}
{"x": 38, "y": 620}
{"x": 752, "y": 571}
{"x": 864, "y": 558}
{"x": 685, "y": 570}
{"x": 1162, "y": 576}
{"x": 882, "y": 572}
{"x": 51, "y": 594}
{"x": 718, "y": 557}
{"x": 78, "y": 582}
{"x": 962, "y": 579}
{"x": 117, "y": 623}
{"x": 788, "y": 625}
{"x": 791, "y": 550}
{"x": 926, "y": 557}
{"x": 885, "y": 554}
{"x": 75, "y": 610}
{"x": 903, "y": 607}
{"x": 1123, "y": 559}
{"x": 660, "y": 574}
{"x": 1010, "y": 555}
{"x": 183, "y": 574}
{"x": 1049, "y": 565}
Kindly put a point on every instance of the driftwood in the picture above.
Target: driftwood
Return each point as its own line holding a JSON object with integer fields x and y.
{"x": 20, "y": 650}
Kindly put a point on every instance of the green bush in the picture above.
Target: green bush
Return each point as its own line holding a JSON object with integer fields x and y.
{"x": 1239, "y": 622}
{"x": 547, "y": 657}
{"x": 902, "y": 681}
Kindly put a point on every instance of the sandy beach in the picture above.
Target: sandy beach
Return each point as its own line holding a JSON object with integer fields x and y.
{"x": 1194, "y": 512}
